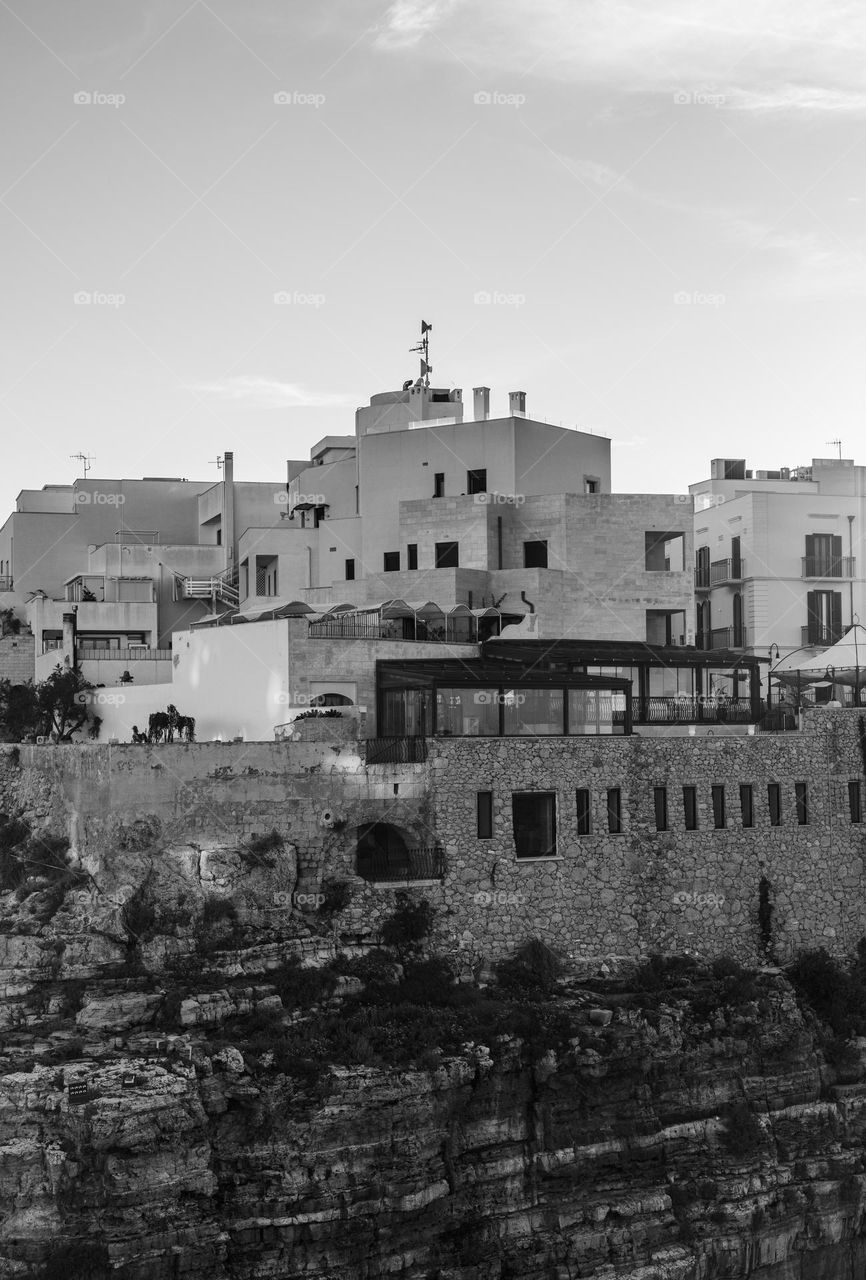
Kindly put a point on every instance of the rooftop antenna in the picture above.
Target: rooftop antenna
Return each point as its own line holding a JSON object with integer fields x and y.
{"x": 216, "y": 462}
{"x": 423, "y": 348}
{"x": 85, "y": 459}
{"x": 838, "y": 443}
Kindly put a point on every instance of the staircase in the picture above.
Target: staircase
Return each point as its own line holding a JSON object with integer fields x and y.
{"x": 222, "y": 588}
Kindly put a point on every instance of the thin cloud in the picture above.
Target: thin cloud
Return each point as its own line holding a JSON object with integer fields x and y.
{"x": 269, "y": 393}
{"x": 407, "y": 22}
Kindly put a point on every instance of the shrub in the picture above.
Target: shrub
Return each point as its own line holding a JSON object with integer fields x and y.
{"x": 299, "y": 987}
{"x": 534, "y": 967}
{"x": 256, "y": 852}
{"x": 409, "y": 924}
{"x": 659, "y": 972}
{"x": 337, "y": 895}
{"x": 837, "y": 995}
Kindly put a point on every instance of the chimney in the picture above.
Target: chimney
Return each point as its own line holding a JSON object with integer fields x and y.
{"x": 517, "y": 404}
{"x": 481, "y": 400}
{"x": 228, "y": 521}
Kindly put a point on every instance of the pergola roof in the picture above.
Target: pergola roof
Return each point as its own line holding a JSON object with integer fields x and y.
{"x": 609, "y": 653}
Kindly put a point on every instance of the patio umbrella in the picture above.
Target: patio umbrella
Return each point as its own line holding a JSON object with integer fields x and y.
{"x": 847, "y": 657}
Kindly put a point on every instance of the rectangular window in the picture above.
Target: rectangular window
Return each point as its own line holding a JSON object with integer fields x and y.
{"x": 350, "y": 570}
{"x": 584, "y": 820}
{"x": 447, "y": 555}
{"x": 318, "y": 516}
{"x": 532, "y": 711}
{"x": 476, "y": 481}
{"x": 801, "y": 799}
{"x": 391, "y": 561}
{"x": 774, "y": 802}
{"x": 439, "y": 484}
{"x": 484, "y": 814}
{"x": 719, "y": 816}
{"x": 690, "y": 808}
{"x": 824, "y": 613}
{"x": 535, "y": 554}
{"x": 266, "y": 575}
{"x": 747, "y": 804}
{"x": 854, "y": 802}
{"x": 534, "y": 817}
{"x": 660, "y": 803}
{"x": 591, "y": 485}
{"x": 412, "y": 555}
{"x": 614, "y": 811}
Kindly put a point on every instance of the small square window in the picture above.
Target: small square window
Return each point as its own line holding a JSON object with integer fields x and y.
{"x": 535, "y": 554}
{"x": 447, "y": 555}
{"x": 476, "y": 481}
{"x": 391, "y": 561}
{"x": 591, "y": 484}
{"x": 534, "y": 818}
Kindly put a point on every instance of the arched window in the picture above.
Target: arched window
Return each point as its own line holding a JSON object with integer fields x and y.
{"x": 330, "y": 700}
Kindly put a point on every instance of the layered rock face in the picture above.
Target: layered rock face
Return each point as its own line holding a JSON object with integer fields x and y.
{"x": 665, "y": 1143}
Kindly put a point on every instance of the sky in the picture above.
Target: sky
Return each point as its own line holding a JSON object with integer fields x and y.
{"x": 223, "y": 221}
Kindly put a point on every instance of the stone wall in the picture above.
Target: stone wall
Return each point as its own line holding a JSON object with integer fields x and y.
{"x": 626, "y": 894}
{"x": 17, "y": 658}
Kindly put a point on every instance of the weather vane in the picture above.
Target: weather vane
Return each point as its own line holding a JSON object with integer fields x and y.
{"x": 423, "y": 348}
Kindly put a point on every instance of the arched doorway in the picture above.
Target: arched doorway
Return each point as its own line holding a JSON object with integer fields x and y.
{"x": 382, "y": 853}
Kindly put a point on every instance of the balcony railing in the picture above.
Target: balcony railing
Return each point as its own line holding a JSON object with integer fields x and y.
{"x": 396, "y": 750}
{"x": 816, "y": 634}
{"x": 828, "y": 567}
{"x": 401, "y": 865}
{"x": 5, "y": 582}
{"x": 122, "y": 655}
{"x": 695, "y": 710}
{"x": 723, "y": 638}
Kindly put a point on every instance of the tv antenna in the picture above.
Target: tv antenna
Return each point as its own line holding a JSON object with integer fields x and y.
{"x": 423, "y": 348}
{"x": 85, "y": 459}
{"x": 838, "y": 444}
{"x": 216, "y": 462}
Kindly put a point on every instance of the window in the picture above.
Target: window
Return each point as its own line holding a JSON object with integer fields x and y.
{"x": 747, "y": 804}
{"x": 664, "y": 552}
{"x": 476, "y": 481}
{"x": 801, "y": 799}
{"x": 484, "y": 814}
{"x": 823, "y": 555}
{"x": 719, "y": 816}
{"x": 439, "y": 484}
{"x": 350, "y": 570}
{"x": 774, "y": 801}
{"x": 318, "y": 516}
{"x": 532, "y": 711}
{"x": 447, "y": 555}
{"x": 690, "y": 808}
{"x": 534, "y": 817}
{"x": 854, "y": 802}
{"x": 824, "y": 612}
{"x": 391, "y": 561}
{"x": 614, "y": 811}
{"x": 266, "y": 576}
{"x": 583, "y": 812}
{"x": 660, "y": 803}
{"x": 591, "y": 484}
{"x": 702, "y": 568}
{"x": 412, "y": 555}
{"x": 535, "y": 555}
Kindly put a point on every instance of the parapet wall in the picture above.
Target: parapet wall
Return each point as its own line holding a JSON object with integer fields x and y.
{"x": 627, "y": 894}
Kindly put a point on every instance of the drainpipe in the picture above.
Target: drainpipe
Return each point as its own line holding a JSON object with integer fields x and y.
{"x": 527, "y": 602}
{"x": 851, "y": 565}
{"x": 229, "y": 510}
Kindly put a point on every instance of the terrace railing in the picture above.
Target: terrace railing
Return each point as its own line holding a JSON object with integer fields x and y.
{"x": 695, "y": 710}
{"x": 396, "y": 750}
{"x": 378, "y": 865}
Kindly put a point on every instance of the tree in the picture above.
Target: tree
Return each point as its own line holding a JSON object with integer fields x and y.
{"x": 20, "y": 715}
{"x": 9, "y": 624}
{"x": 63, "y": 702}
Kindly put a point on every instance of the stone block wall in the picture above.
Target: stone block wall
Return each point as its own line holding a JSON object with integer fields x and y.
{"x": 17, "y": 658}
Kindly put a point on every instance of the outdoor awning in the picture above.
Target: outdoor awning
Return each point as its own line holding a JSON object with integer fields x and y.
{"x": 847, "y": 657}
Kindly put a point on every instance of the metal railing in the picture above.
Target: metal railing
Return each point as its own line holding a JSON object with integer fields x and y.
{"x": 401, "y": 865}
{"x": 731, "y": 570}
{"x": 828, "y": 567}
{"x": 396, "y": 750}
{"x": 221, "y": 587}
{"x": 723, "y": 638}
{"x": 5, "y": 582}
{"x": 122, "y": 655}
{"x": 700, "y": 709}
{"x": 139, "y": 537}
{"x": 815, "y": 633}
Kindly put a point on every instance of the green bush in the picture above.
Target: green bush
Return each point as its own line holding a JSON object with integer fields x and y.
{"x": 535, "y": 967}
{"x": 337, "y": 895}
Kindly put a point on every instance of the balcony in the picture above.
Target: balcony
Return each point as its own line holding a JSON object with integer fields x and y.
{"x": 696, "y": 710}
{"x": 142, "y": 654}
{"x": 828, "y": 567}
{"x": 404, "y": 865}
{"x": 814, "y": 633}
{"x": 723, "y": 638}
{"x": 718, "y": 573}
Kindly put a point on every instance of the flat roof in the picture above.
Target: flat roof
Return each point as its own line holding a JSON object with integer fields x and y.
{"x": 614, "y": 653}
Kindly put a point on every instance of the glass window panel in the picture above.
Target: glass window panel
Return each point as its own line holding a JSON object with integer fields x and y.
{"x": 470, "y": 712}
{"x": 596, "y": 711}
{"x": 532, "y": 711}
